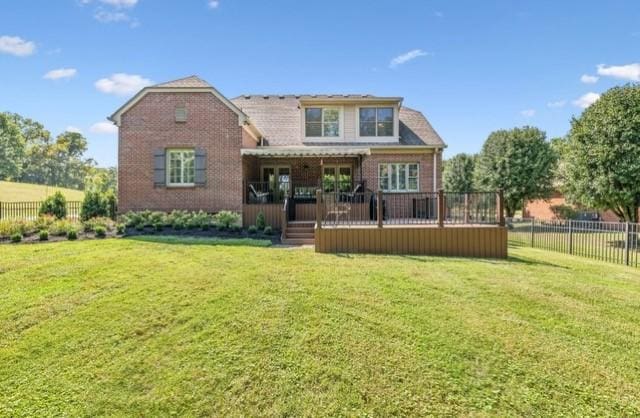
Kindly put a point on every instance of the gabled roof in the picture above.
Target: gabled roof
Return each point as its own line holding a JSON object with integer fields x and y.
{"x": 278, "y": 118}
{"x": 192, "y": 81}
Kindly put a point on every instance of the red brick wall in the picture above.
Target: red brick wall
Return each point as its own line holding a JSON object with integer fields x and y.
{"x": 150, "y": 125}
{"x": 541, "y": 209}
{"x": 425, "y": 161}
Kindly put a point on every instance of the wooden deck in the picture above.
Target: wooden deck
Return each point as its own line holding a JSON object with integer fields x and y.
{"x": 489, "y": 241}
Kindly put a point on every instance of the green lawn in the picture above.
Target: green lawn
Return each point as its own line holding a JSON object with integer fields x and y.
{"x": 139, "y": 328}
{"x": 24, "y": 192}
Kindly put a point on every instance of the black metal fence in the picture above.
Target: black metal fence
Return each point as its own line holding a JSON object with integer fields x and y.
{"x": 613, "y": 242}
{"x": 29, "y": 210}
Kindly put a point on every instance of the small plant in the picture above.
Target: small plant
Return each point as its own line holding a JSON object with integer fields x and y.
{"x": 17, "y": 237}
{"x": 55, "y": 205}
{"x": 93, "y": 205}
{"x": 261, "y": 221}
{"x": 267, "y": 230}
{"x": 100, "y": 231}
{"x": 72, "y": 235}
{"x": 120, "y": 229}
{"x": 43, "y": 235}
{"x": 226, "y": 218}
{"x": 61, "y": 226}
{"x": 252, "y": 229}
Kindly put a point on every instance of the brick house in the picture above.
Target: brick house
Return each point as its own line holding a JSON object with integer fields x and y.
{"x": 183, "y": 145}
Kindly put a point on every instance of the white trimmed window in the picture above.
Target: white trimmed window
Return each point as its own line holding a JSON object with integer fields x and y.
{"x": 398, "y": 177}
{"x": 376, "y": 121}
{"x": 181, "y": 167}
{"x": 321, "y": 122}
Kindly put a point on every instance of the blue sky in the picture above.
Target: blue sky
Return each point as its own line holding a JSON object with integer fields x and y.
{"x": 472, "y": 67}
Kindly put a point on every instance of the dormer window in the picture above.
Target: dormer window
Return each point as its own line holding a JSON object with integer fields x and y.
{"x": 376, "y": 121}
{"x": 321, "y": 122}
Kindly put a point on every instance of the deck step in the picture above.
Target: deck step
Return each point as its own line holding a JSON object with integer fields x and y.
{"x": 301, "y": 230}
{"x": 306, "y": 235}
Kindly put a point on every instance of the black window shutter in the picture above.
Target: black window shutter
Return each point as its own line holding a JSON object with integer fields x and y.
{"x": 201, "y": 167}
{"x": 159, "y": 168}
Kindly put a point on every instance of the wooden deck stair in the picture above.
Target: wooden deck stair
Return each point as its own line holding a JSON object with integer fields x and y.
{"x": 299, "y": 233}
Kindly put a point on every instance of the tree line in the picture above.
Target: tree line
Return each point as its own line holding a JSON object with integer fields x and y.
{"x": 596, "y": 165}
{"x": 30, "y": 154}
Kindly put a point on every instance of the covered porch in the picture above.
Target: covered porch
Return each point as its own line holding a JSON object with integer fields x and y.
{"x": 273, "y": 176}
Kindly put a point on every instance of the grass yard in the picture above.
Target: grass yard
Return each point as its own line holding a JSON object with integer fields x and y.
{"x": 24, "y": 192}
{"x": 140, "y": 328}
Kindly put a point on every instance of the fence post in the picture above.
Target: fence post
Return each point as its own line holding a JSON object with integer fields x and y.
{"x": 500, "y": 207}
{"x": 466, "y": 208}
{"x": 533, "y": 221}
{"x": 1, "y": 210}
{"x": 626, "y": 243}
{"x": 318, "y": 209}
{"x": 379, "y": 208}
{"x": 441, "y": 208}
{"x": 570, "y": 237}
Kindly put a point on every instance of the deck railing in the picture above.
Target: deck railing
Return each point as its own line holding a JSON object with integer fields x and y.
{"x": 382, "y": 208}
{"x": 614, "y": 242}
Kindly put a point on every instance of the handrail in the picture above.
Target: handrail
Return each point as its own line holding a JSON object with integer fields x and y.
{"x": 285, "y": 218}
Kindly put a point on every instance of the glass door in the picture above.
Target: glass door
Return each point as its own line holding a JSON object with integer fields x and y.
{"x": 276, "y": 180}
{"x": 337, "y": 178}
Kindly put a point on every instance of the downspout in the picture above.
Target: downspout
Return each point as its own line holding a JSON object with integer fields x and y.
{"x": 435, "y": 170}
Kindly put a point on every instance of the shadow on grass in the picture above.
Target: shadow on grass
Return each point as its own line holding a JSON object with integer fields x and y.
{"x": 181, "y": 240}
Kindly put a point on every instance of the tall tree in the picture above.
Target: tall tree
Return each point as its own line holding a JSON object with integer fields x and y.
{"x": 519, "y": 161}
{"x": 458, "y": 173}
{"x": 602, "y": 156}
{"x": 12, "y": 148}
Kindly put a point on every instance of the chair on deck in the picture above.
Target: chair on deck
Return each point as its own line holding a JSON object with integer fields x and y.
{"x": 337, "y": 205}
{"x": 259, "y": 197}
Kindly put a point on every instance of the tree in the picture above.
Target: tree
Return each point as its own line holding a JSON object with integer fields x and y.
{"x": 12, "y": 148}
{"x": 519, "y": 161}
{"x": 458, "y": 173}
{"x": 602, "y": 156}
{"x": 102, "y": 180}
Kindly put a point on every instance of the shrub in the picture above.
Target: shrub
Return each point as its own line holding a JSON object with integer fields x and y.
{"x": 9, "y": 227}
{"x": 55, "y": 205}
{"x": 268, "y": 230}
{"x": 91, "y": 224}
{"x": 252, "y": 229}
{"x": 100, "y": 231}
{"x": 226, "y": 218}
{"x": 111, "y": 201}
{"x": 93, "y": 205}
{"x": 140, "y": 227}
{"x": 158, "y": 226}
{"x": 179, "y": 224}
{"x": 236, "y": 228}
{"x": 61, "y": 227}
{"x": 120, "y": 229}
{"x": 17, "y": 237}
{"x": 564, "y": 212}
{"x": 72, "y": 234}
{"x": 261, "y": 221}
{"x": 43, "y": 235}
{"x": 44, "y": 222}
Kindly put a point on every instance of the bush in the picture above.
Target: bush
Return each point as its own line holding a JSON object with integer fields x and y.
{"x": 54, "y": 205}
{"x": 158, "y": 227}
{"x": 268, "y": 230}
{"x": 261, "y": 221}
{"x": 93, "y": 223}
{"x": 9, "y": 227}
{"x": 100, "y": 231}
{"x": 17, "y": 237}
{"x": 252, "y": 229}
{"x": 43, "y": 235}
{"x": 44, "y": 222}
{"x": 235, "y": 228}
{"x": 111, "y": 201}
{"x": 72, "y": 234}
{"x": 564, "y": 212}
{"x": 120, "y": 229}
{"x": 93, "y": 205}
{"x": 61, "y": 226}
{"x": 226, "y": 219}
{"x": 140, "y": 227}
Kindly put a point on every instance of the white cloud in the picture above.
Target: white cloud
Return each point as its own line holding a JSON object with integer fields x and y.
{"x": 589, "y": 79}
{"x": 586, "y": 100}
{"x": 17, "y": 46}
{"x": 61, "y": 73}
{"x": 122, "y": 84}
{"x": 74, "y": 129}
{"x": 629, "y": 72}
{"x": 104, "y": 16}
{"x": 213, "y": 4}
{"x": 528, "y": 113}
{"x": 104, "y": 127}
{"x": 438, "y": 14}
{"x": 406, "y": 57}
{"x": 120, "y": 3}
{"x": 557, "y": 103}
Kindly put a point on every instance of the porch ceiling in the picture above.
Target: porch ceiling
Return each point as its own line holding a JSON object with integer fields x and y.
{"x": 306, "y": 151}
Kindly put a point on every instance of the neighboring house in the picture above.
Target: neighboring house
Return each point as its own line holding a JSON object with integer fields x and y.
{"x": 183, "y": 145}
{"x": 548, "y": 209}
